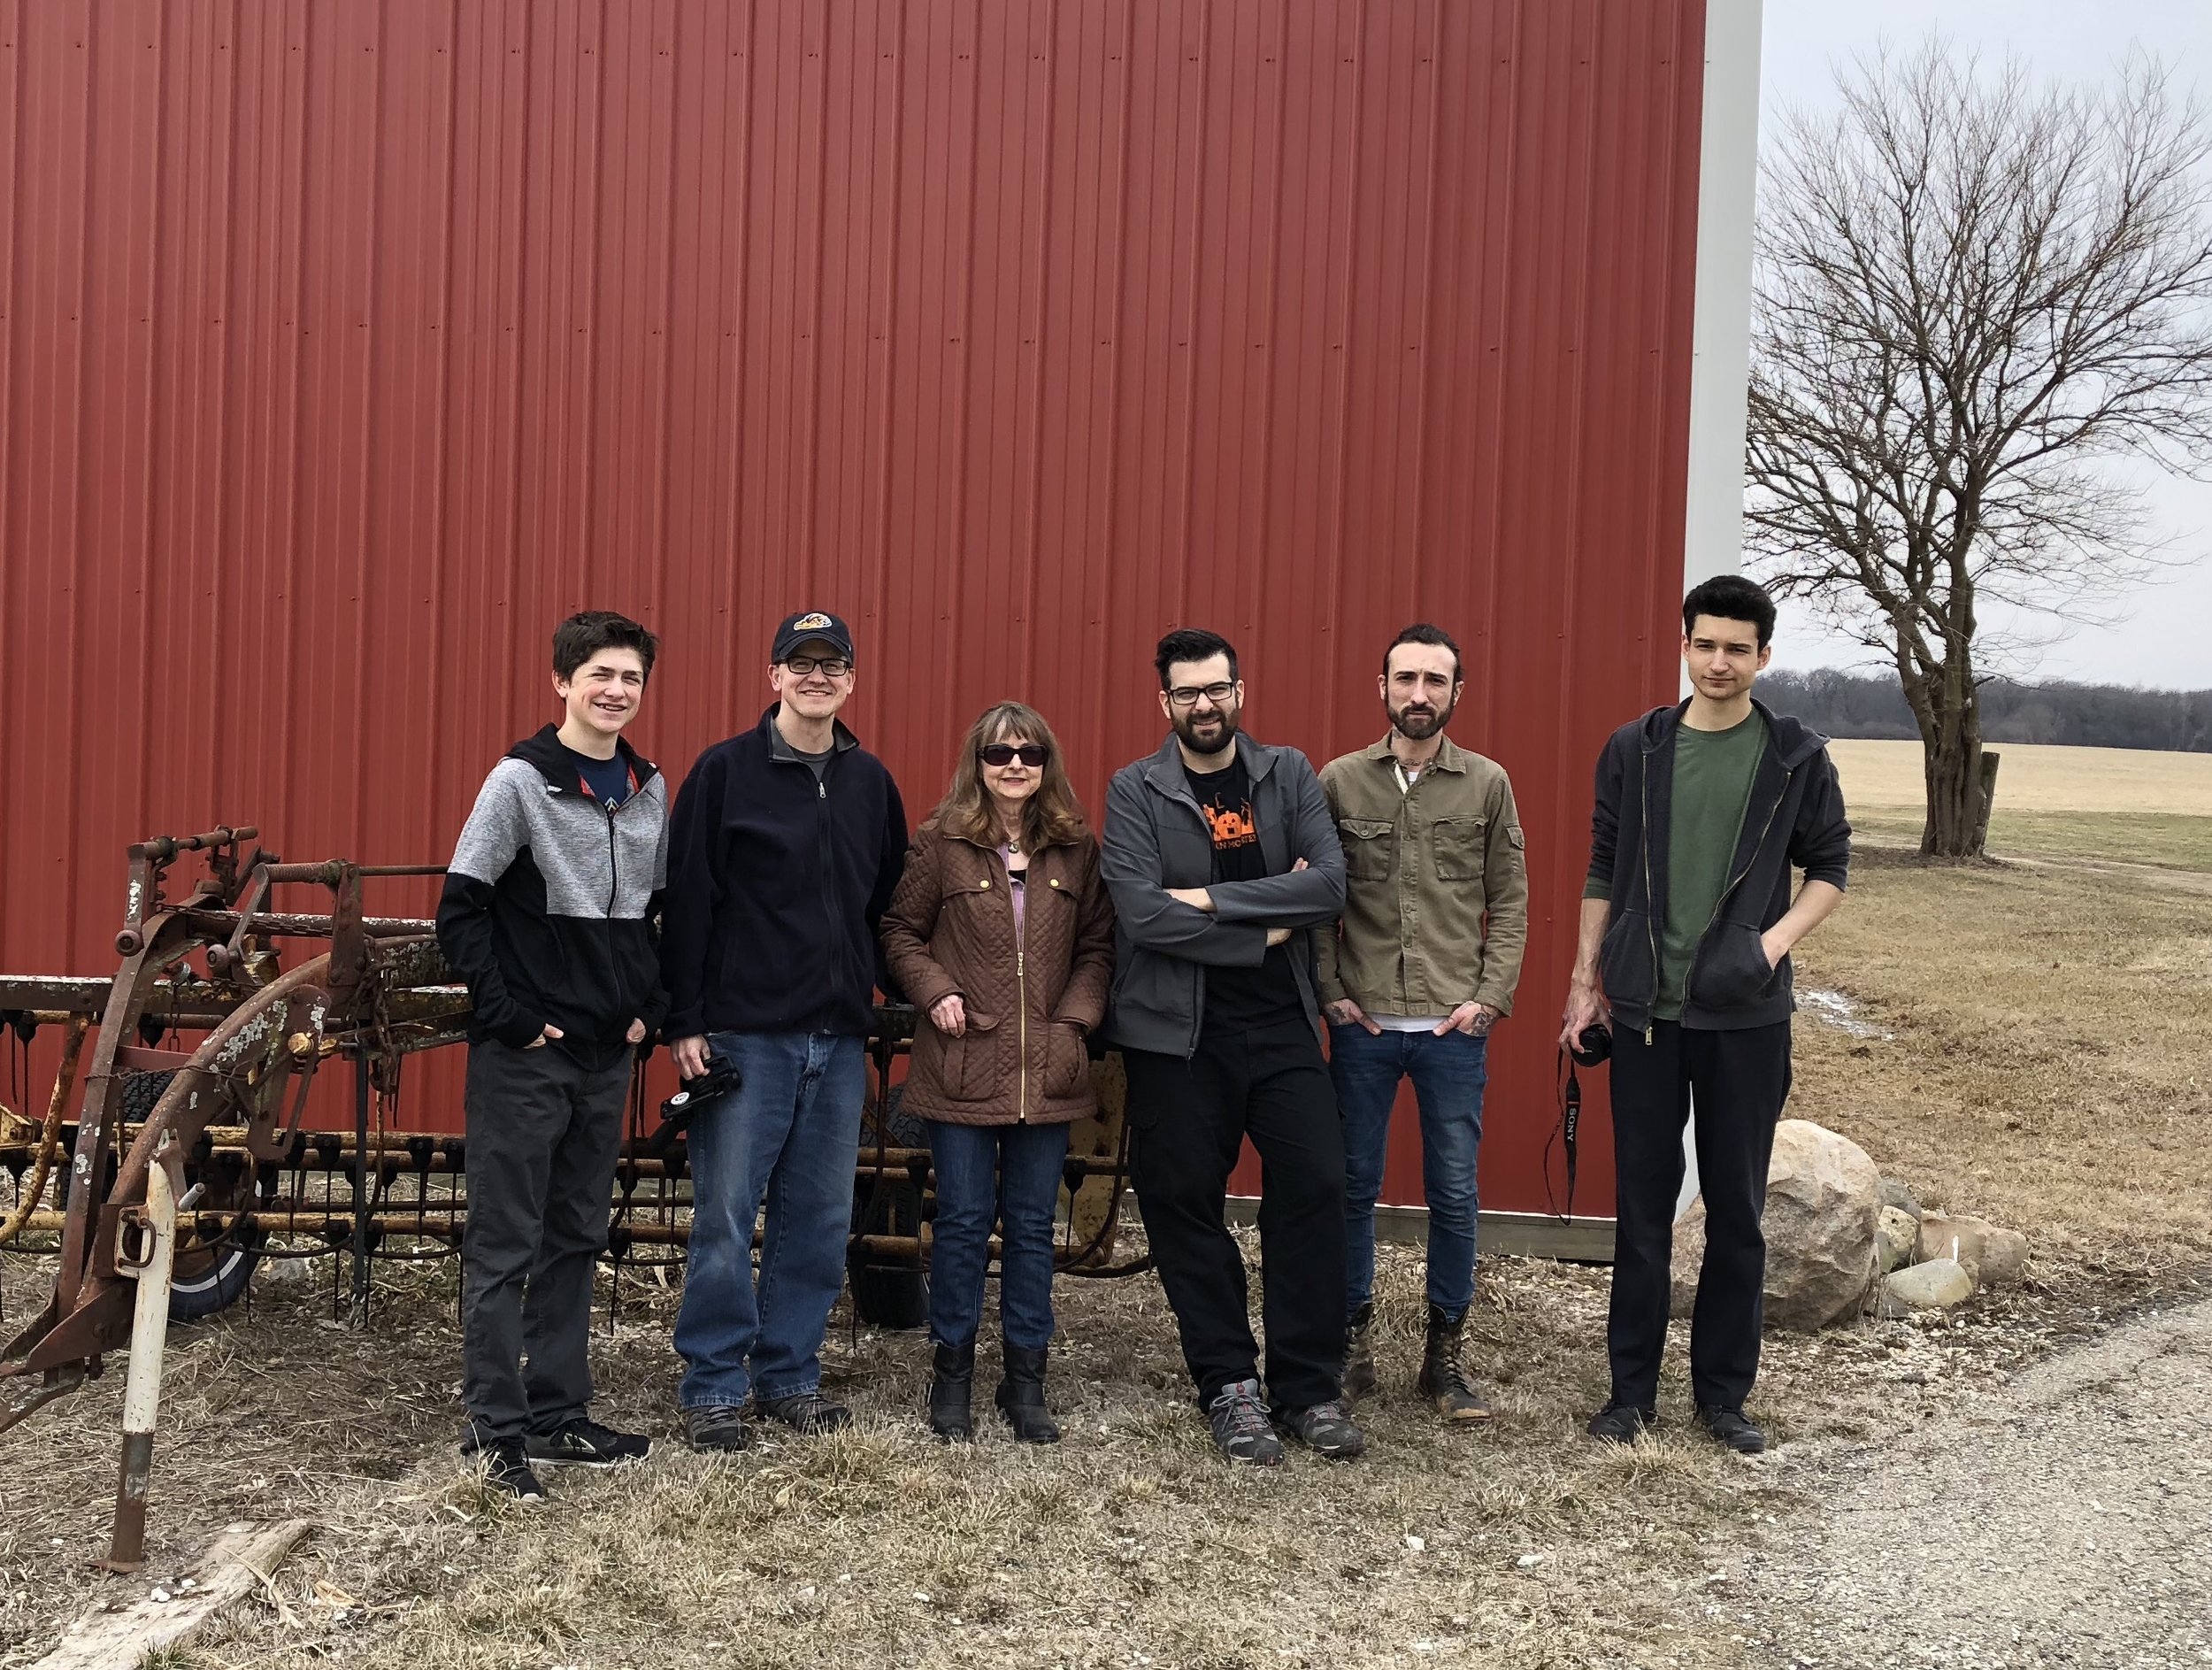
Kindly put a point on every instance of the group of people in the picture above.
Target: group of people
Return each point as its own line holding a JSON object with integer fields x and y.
{"x": 1236, "y": 906}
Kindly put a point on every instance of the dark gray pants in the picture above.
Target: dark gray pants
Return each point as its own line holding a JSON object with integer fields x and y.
{"x": 543, "y": 1136}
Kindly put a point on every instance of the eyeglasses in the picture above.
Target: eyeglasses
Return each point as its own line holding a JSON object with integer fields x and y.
{"x": 833, "y": 666}
{"x": 1185, "y": 695}
{"x": 1033, "y": 755}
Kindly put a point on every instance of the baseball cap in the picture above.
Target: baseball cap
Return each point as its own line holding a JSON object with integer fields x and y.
{"x": 812, "y": 625}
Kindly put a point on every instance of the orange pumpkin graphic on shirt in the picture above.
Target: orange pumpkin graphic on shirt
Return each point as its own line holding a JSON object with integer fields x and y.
{"x": 1233, "y": 826}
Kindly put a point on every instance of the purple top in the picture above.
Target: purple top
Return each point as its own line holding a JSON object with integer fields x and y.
{"x": 1015, "y": 886}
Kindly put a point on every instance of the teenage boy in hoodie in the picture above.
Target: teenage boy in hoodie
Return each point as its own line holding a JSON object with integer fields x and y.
{"x": 786, "y": 843}
{"x": 548, "y": 914}
{"x": 1703, "y": 809}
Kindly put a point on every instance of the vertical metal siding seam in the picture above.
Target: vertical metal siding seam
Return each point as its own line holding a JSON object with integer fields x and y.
{"x": 1264, "y": 585}
{"x": 518, "y": 305}
{"x": 889, "y": 357}
{"x": 740, "y": 360}
{"x": 1109, "y": 529}
{"x": 1669, "y": 224}
{"x": 596, "y": 329}
{"x": 366, "y": 529}
{"x": 287, "y": 649}
{"x": 1354, "y": 156}
{"x": 964, "y": 362}
{"x": 235, "y": 341}
{"x": 73, "y": 819}
{"x": 11, "y": 591}
{"x": 1416, "y": 548}
{"x": 442, "y": 462}
{"x": 1031, "y": 557}
{"x": 809, "y": 427}
{"x": 1188, "y": 486}
{"x": 663, "y": 446}
{"x": 149, "y": 425}
{"x": 1499, "y": 186}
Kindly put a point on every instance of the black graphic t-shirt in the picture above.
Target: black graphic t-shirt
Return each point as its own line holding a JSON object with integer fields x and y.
{"x": 1240, "y": 999}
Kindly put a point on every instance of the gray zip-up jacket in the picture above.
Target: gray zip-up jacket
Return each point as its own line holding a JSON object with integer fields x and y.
{"x": 1156, "y": 838}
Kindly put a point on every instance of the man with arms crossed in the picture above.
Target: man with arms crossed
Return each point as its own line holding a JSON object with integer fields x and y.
{"x": 1220, "y": 853}
{"x": 1435, "y": 917}
{"x": 785, "y": 845}
{"x": 1702, "y": 811}
{"x": 548, "y": 914}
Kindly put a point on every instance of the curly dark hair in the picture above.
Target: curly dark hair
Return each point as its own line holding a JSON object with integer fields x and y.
{"x": 580, "y": 637}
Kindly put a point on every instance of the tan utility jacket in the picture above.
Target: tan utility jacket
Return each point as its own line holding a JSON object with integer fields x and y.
{"x": 1032, "y": 1001}
{"x": 1436, "y": 890}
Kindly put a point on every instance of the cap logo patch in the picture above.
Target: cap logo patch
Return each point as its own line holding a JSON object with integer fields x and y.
{"x": 811, "y": 623}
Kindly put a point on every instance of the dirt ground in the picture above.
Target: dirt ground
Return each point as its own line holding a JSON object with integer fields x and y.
{"x": 2031, "y": 1045}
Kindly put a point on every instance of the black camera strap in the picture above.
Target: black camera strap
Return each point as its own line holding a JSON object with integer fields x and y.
{"x": 1564, "y": 1135}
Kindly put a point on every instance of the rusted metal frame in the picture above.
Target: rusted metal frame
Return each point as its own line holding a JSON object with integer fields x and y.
{"x": 48, "y": 1142}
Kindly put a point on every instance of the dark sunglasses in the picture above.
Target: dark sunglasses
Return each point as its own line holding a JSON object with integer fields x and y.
{"x": 1033, "y": 755}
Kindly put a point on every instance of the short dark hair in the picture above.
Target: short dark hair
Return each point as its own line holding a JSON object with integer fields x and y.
{"x": 1731, "y": 598}
{"x": 1421, "y": 632}
{"x": 581, "y": 637}
{"x": 1192, "y": 644}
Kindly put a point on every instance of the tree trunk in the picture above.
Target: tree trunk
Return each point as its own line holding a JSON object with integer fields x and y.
{"x": 1951, "y": 749}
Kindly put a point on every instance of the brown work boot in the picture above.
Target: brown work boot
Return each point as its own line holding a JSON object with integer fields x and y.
{"x": 1443, "y": 1382}
{"x": 1359, "y": 1353}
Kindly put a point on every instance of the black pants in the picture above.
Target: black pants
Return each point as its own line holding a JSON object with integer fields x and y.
{"x": 1740, "y": 1081}
{"x": 543, "y": 1136}
{"x": 1190, "y": 1119}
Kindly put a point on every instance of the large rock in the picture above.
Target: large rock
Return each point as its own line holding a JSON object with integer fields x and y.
{"x": 1993, "y": 1258}
{"x": 1936, "y": 1285}
{"x": 1824, "y": 1204}
{"x": 1896, "y": 1232}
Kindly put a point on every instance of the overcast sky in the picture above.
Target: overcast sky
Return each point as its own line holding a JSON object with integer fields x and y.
{"x": 2166, "y": 638}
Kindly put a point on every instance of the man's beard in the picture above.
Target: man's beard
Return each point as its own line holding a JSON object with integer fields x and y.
{"x": 1223, "y": 739}
{"x": 1419, "y": 728}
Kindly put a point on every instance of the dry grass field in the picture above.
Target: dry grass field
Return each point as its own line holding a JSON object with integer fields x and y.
{"x": 2043, "y": 1058}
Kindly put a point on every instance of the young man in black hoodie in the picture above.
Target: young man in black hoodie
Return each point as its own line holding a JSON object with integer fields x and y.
{"x": 1703, "y": 809}
{"x": 785, "y": 846}
{"x": 548, "y": 914}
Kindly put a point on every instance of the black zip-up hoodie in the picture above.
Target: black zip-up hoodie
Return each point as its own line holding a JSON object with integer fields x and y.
{"x": 776, "y": 885}
{"x": 549, "y": 902}
{"x": 1794, "y": 818}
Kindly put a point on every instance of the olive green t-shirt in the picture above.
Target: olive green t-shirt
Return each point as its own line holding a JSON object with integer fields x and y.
{"x": 1712, "y": 786}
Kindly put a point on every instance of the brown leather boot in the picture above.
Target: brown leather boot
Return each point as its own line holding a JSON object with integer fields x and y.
{"x": 1359, "y": 1353}
{"x": 1443, "y": 1382}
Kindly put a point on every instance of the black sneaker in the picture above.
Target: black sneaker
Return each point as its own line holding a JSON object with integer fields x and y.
{"x": 807, "y": 1412}
{"x": 507, "y": 1470}
{"x": 584, "y": 1442}
{"x": 1240, "y": 1426}
{"x": 1729, "y": 1427}
{"x": 717, "y": 1427}
{"x": 1622, "y": 1423}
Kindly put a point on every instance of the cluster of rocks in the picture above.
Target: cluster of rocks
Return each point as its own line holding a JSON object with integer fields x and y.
{"x": 1842, "y": 1238}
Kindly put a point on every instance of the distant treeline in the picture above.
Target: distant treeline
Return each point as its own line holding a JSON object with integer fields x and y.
{"x": 1842, "y": 704}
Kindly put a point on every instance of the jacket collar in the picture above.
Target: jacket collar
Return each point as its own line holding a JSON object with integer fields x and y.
{"x": 1790, "y": 739}
{"x": 1165, "y": 770}
{"x": 544, "y": 749}
{"x": 779, "y": 745}
{"x": 1450, "y": 756}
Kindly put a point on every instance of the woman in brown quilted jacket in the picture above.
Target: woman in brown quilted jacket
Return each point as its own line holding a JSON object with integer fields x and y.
{"x": 1002, "y": 935}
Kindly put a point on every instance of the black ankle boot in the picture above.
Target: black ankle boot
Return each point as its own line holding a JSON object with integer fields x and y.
{"x": 1021, "y": 1397}
{"x": 952, "y": 1379}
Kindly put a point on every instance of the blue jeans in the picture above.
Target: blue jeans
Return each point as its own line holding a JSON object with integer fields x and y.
{"x": 789, "y": 1134}
{"x": 1447, "y": 1073}
{"x": 1004, "y": 1173}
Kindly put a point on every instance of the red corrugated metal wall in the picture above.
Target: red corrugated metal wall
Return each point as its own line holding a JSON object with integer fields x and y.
{"x": 349, "y": 343}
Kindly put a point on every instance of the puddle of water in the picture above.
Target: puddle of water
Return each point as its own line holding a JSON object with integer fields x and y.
{"x": 1838, "y": 1012}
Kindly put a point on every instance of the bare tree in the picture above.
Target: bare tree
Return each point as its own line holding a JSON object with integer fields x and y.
{"x": 1975, "y": 296}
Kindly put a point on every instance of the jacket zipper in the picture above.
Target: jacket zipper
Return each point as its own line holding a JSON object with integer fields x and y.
{"x": 1651, "y": 926}
{"x": 1719, "y": 903}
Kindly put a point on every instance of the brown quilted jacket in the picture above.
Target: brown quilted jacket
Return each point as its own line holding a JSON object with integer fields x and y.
{"x": 1031, "y": 1006}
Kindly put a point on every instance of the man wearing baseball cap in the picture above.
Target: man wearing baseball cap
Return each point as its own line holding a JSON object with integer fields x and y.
{"x": 784, "y": 846}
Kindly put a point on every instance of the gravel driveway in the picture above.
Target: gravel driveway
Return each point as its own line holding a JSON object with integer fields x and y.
{"x": 2063, "y": 1519}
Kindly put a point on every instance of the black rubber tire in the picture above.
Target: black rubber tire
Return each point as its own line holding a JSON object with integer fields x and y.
{"x": 203, "y": 1285}
{"x": 889, "y": 1292}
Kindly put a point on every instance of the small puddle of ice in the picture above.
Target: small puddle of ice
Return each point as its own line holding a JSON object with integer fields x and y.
{"x": 1838, "y": 1012}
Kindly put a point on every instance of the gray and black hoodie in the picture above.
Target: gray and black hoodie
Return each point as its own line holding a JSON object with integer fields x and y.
{"x": 551, "y": 903}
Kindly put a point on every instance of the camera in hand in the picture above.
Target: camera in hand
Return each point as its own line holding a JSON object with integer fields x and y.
{"x": 1593, "y": 1045}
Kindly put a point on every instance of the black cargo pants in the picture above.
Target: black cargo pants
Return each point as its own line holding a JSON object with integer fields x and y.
{"x": 543, "y": 1133}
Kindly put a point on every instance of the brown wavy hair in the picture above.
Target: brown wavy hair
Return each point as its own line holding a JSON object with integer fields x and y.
{"x": 1051, "y": 816}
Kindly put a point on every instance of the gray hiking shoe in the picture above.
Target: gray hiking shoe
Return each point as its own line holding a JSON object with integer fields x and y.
{"x": 1324, "y": 1428}
{"x": 1241, "y": 1432}
{"x": 717, "y": 1427}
